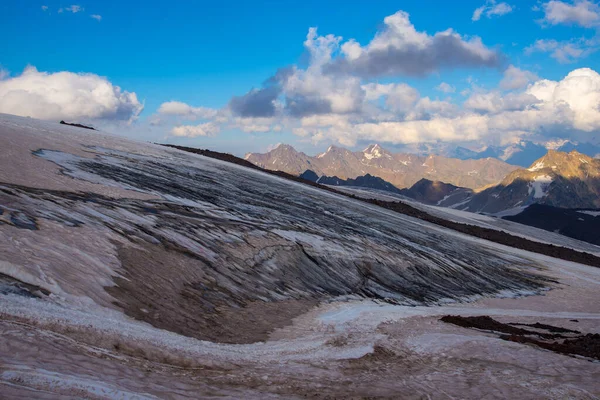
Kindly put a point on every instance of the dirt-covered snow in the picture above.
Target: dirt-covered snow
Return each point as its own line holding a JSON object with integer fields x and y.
{"x": 129, "y": 270}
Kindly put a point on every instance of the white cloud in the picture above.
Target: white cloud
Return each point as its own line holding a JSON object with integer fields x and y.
{"x": 3, "y": 73}
{"x": 177, "y": 108}
{"x": 495, "y": 102}
{"x": 44, "y": 8}
{"x": 426, "y": 109}
{"x": 477, "y": 13}
{"x": 568, "y": 108}
{"x": 74, "y": 8}
{"x": 311, "y": 91}
{"x": 445, "y": 88}
{"x": 580, "y": 12}
{"x": 66, "y": 95}
{"x": 516, "y": 78}
{"x": 333, "y": 80}
{"x": 566, "y": 51}
{"x": 256, "y": 125}
{"x": 399, "y": 97}
{"x": 579, "y": 91}
{"x": 192, "y": 131}
{"x": 490, "y": 9}
{"x": 96, "y": 17}
{"x": 399, "y": 49}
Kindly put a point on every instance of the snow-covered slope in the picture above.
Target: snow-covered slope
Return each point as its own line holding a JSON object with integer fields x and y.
{"x": 129, "y": 269}
{"x": 484, "y": 221}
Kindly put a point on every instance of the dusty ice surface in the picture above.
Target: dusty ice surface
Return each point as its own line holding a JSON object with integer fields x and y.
{"x": 485, "y": 221}
{"x": 84, "y": 214}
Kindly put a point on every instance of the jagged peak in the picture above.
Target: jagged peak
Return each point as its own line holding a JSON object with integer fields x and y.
{"x": 375, "y": 151}
{"x": 283, "y": 146}
{"x": 372, "y": 147}
{"x": 560, "y": 163}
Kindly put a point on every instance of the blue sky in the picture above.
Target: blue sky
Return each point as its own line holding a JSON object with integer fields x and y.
{"x": 203, "y": 53}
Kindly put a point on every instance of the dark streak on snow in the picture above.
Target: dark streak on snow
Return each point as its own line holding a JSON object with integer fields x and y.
{"x": 205, "y": 269}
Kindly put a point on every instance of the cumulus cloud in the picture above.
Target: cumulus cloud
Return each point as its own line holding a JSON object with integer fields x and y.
{"x": 399, "y": 97}
{"x": 192, "y": 131}
{"x": 516, "y": 78}
{"x": 96, "y": 17}
{"x": 310, "y": 91}
{"x": 546, "y": 109}
{"x": 44, "y": 8}
{"x": 491, "y": 9}
{"x": 399, "y": 49}
{"x": 261, "y": 102}
{"x": 494, "y": 102}
{"x": 332, "y": 82}
{"x": 66, "y": 95}
{"x": 427, "y": 109}
{"x": 177, "y": 108}
{"x": 580, "y": 12}
{"x": 445, "y": 88}
{"x": 257, "y": 125}
{"x": 579, "y": 91}
{"x": 256, "y": 103}
{"x": 564, "y": 51}
{"x": 333, "y": 97}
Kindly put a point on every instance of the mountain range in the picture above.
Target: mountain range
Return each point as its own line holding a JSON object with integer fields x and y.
{"x": 400, "y": 169}
{"x": 522, "y": 153}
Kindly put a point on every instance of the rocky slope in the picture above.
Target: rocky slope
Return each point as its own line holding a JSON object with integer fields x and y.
{"x": 579, "y": 224}
{"x": 567, "y": 180}
{"x": 401, "y": 170}
{"x": 438, "y": 193}
{"x": 365, "y": 181}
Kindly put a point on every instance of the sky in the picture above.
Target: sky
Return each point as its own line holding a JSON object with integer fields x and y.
{"x": 242, "y": 76}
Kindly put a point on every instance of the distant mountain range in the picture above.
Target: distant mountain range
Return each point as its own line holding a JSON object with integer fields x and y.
{"x": 566, "y": 180}
{"x": 522, "y": 153}
{"x": 400, "y": 169}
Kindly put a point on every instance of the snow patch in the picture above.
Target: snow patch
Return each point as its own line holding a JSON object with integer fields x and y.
{"x": 539, "y": 186}
{"x": 373, "y": 151}
{"x": 592, "y": 213}
{"x": 539, "y": 165}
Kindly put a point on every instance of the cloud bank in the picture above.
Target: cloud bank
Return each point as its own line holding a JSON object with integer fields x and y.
{"x": 66, "y": 95}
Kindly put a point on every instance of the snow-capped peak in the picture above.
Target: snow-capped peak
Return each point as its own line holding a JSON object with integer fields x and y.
{"x": 373, "y": 151}
{"x": 537, "y": 166}
{"x": 328, "y": 150}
